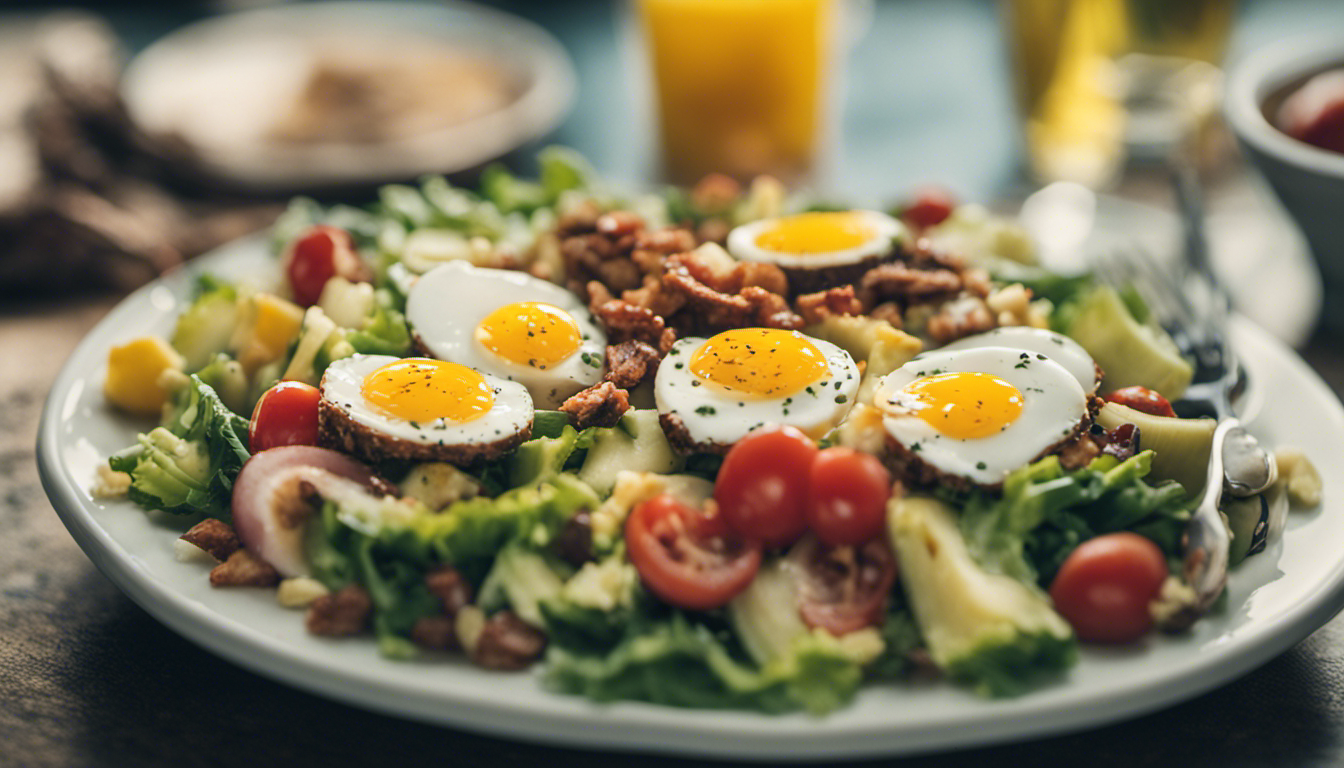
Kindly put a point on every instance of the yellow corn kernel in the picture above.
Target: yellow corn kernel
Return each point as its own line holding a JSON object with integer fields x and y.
{"x": 274, "y": 323}
{"x": 133, "y": 371}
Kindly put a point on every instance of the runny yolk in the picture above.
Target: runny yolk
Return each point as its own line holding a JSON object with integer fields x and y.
{"x": 420, "y": 389}
{"x": 763, "y": 362}
{"x": 965, "y": 405}
{"x": 816, "y": 233}
{"x": 530, "y": 333}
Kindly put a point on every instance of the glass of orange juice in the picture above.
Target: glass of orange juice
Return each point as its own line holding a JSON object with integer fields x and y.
{"x": 1087, "y": 72}
{"x": 742, "y": 87}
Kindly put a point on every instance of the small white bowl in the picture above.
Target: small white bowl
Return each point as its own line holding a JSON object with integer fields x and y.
{"x": 1308, "y": 180}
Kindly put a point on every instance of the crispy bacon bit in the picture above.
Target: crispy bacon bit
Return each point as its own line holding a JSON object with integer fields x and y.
{"x": 452, "y": 589}
{"x": 1079, "y": 452}
{"x": 715, "y": 193}
{"x": 437, "y": 633}
{"x": 340, "y": 614}
{"x": 1121, "y": 442}
{"x": 903, "y": 282}
{"x": 507, "y": 642}
{"x": 574, "y": 543}
{"x": 624, "y": 321}
{"x": 965, "y": 316}
{"x": 711, "y": 310}
{"x": 614, "y": 249}
{"x": 889, "y": 311}
{"x": 815, "y": 307}
{"x": 214, "y": 536}
{"x": 630, "y": 363}
{"x": 244, "y": 569}
{"x": 601, "y": 405}
{"x": 619, "y": 224}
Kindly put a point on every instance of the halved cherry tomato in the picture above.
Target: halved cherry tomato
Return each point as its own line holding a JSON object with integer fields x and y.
{"x": 847, "y": 496}
{"x": 286, "y": 414}
{"x": 931, "y": 206}
{"x": 762, "y": 486}
{"x": 319, "y": 254}
{"x": 843, "y": 589}
{"x": 1142, "y": 399}
{"x": 1105, "y": 585}
{"x": 687, "y": 558}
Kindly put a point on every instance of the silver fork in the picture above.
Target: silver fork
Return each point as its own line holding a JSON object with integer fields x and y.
{"x": 1193, "y": 308}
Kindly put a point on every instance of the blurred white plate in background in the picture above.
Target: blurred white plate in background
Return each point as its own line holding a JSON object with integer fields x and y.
{"x": 347, "y": 93}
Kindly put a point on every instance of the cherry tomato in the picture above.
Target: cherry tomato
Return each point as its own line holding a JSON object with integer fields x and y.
{"x": 286, "y": 414}
{"x": 686, "y": 558}
{"x": 1142, "y": 399}
{"x": 1105, "y": 585}
{"x": 847, "y": 496}
{"x": 762, "y": 486}
{"x": 931, "y": 206}
{"x": 319, "y": 254}
{"x": 843, "y": 589}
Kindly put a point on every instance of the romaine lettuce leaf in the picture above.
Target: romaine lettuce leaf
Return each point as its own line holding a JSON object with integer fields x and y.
{"x": 1046, "y": 511}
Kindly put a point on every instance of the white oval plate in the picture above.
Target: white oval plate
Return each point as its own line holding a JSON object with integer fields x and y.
{"x": 228, "y": 69}
{"x": 1276, "y": 599}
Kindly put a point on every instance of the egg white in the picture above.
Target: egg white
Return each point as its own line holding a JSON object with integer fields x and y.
{"x": 446, "y": 304}
{"x": 1055, "y": 346}
{"x": 511, "y": 414}
{"x": 714, "y": 416}
{"x": 742, "y": 244}
{"x": 1054, "y": 406}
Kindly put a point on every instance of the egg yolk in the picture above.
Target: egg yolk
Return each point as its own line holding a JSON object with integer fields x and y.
{"x": 530, "y": 333}
{"x": 965, "y": 405}
{"x": 420, "y": 389}
{"x": 816, "y": 233}
{"x": 762, "y": 362}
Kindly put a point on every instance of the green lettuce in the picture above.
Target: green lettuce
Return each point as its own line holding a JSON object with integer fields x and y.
{"x": 470, "y": 533}
{"x": 1046, "y": 511}
{"x": 188, "y": 465}
{"x": 677, "y": 660}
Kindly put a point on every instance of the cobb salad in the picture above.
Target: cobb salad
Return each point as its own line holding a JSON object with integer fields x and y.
{"x": 719, "y": 447}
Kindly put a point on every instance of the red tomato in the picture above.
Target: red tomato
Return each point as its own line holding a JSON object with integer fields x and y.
{"x": 285, "y": 415}
{"x": 762, "y": 486}
{"x": 319, "y": 254}
{"x": 1105, "y": 585}
{"x": 1142, "y": 399}
{"x": 686, "y": 558}
{"x": 843, "y": 589}
{"x": 931, "y": 206}
{"x": 847, "y": 496}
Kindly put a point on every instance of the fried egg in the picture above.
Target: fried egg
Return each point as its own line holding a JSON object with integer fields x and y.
{"x": 711, "y": 392}
{"x": 384, "y": 407}
{"x": 1056, "y": 346}
{"x": 820, "y": 249}
{"x": 508, "y": 324}
{"x": 977, "y": 414}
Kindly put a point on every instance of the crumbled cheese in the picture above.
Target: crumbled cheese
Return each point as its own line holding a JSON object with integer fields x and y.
{"x": 186, "y": 552}
{"x": 469, "y": 625}
{"x": 634, "y": 487}
{"x": 438, "y": 484}
{"x": 603, "y": 586}
{"x": 110, "y": 484}
{"x": 300, "y": 592}
{"x": 1299, "y": 477}
{"x": 862, "y": 430}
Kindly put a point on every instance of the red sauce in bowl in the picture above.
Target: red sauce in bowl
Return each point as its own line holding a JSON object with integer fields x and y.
{"x": 1314, "y": 112}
